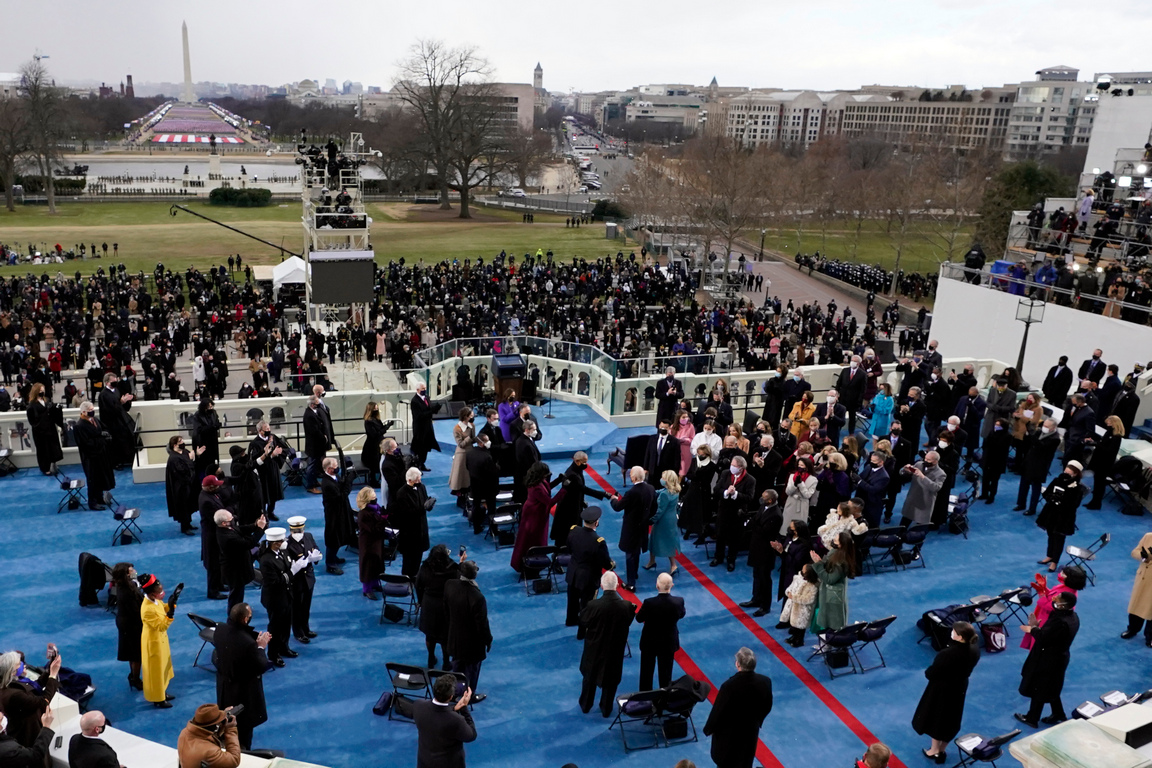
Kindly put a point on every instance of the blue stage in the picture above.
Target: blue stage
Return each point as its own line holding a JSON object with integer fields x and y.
{"x": 573, "y": 428}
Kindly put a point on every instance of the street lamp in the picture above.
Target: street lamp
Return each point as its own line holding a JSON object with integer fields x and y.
{"x": 760, "y": 256}
{"x": 1028, "y": 311}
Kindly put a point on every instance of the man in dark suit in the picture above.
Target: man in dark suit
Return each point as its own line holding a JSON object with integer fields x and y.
{"x": 570, "y": 500}
{"x": 114, "y": 416}
{"x": 443, "y": 728}
{"x": 210, "y": 501}
{"x": 1042, "y": 677}
{"x": 1107, "y": 393}
{"x": 1040, "y": 448}
{"x": 1093, "y": 368}
{"x": 86, "y": 749}
{"x": 660, "y": 638}
{"x": 737, "y": 493}
{"x": 301, "y": 544}
{"x": 638, "y": 504}
{"x": 1079, "y": 428}
{"x": 1125, "y": 405}
{"x": 96, "y": 456}
{"x": 741, "y": 705}
{"x": 793, "y": 388}
{"x": 723, "y": 417}
{"x": 241, "y": 662}
{"x": 392, "y": 471}
{"x": 266, "y": 454}
{"x": 1001, "y": 404}
{"x": 485, "y": 476}
{"x": 236, "y": 543}
{"x": 589, "y": 559}
{"x": 276, "y": 593}
{"x": 662, "y": 452}
{"x": 766, "y": 462}
{"x": 668, "y": 394}
{"x": 832, "y": 416}
{"x": 409, "y": 512}
{"x": 903, "y": 451}
{"x": 469, "y": 637}
{"x": 911, "y": 412}
{"x": 317, "y": 441}
{"x": 497, "y": 445}
{"x": 1058, "y": 382}
{"x": 523, "y": 418}
{"x": 764, "y": 526}
{"x": 526, "y": 454}
{"x": 851, "y": 384}
{"x": 962, "y": 382}
{"x": 606, "y": 621}
{"x": 339, "y": 526}
{"x": 970, "y": 410}
{"x": 915, "y": 373}
{"x": 423, "y": 434}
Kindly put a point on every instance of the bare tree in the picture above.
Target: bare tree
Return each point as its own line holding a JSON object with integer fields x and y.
{"x": 721, "y": 179}
{"x": 15, "y": 141}
{"x": 479, "y": 148}
{"x": 904, "y": 190}
{"x": 44, "y": 103}
{"x": 528, "y": 152}
{"x": 957, "y": 181}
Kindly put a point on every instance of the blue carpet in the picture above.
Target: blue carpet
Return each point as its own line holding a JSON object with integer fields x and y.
{"x": 320, "y": 704}
{"x": 571, "y": 428}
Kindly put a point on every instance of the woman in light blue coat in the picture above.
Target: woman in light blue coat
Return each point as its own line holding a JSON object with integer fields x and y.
{"x": 882, "y": 406}
{"x": 664, "y": 540}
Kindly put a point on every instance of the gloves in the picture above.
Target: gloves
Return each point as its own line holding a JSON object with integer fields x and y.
{"x": 429, "y": 504}
{"x": 315, "y": 556}
{"x": 299, "y": 565}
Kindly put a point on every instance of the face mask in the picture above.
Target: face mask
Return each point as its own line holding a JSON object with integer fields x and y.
{"x": 663, "y": 482}
{"x": 1046, "y": 430}
{"x": 929, "y": 464}
{"x": 830, "y": 400}
{"x": 701, "y": 458}
{"x": 663, "y": 431}
{"x": 895, "y": 433}
{"x": 298, "y": 536}
{"x": 684, "y": 421}
{"x": 998, "y": 428}
{"x": 796, "y": 379}
{"x": 3, "y": 723}
{"x": 935, "y": 377}
{"x": 942, "y": 444}
{"x": 951, "y": 427}
{"x": 735, "y": 471}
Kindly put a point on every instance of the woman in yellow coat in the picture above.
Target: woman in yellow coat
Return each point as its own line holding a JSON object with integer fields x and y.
{"x": 155, "y": 655}
{"x": 1140, "y": 606}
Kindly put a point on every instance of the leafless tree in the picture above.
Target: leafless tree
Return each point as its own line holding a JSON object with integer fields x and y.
{"x": 15, "y": 142}
{"x": 722, "y": 183}
{"x": 528, "y": 152}
{"x": 903, "y": 190}
{"x": 44, "y": 104}
{"x": 956, "y": 182}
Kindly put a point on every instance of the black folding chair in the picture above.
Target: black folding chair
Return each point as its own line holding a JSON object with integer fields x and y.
{"x": 7, "y": 466}
{"x": 990, "y": 750}
{"x": 409, "y": 684}
{"x": 126, "y": 526}
{"x": 885, "y": 546}
{"x": 638, "y": 708}
{"x": 914, "y": 537}
{"x": 1084, "y": 557}
{"x": 502, "y": 525}
{"x": 834, "y": 642}
{"x": 73, "y": 493}
{"x": 537, "y": 565}
{"x": 1018, "y": 602}
{"x": 398, "y": 591}
{"x": 996, "y": 607}
{"x": 206, "y": 631}
{"x": 869, "y": 637}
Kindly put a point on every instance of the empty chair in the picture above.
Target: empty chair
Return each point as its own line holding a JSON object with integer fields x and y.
{"x": 276, "y": 416}
{"x": 914, "y": 537}
{"x": 869, "y": 637}
{"x": 73, "y": 492}
{"x": 837, "y": 647}
{"x": 538, "y": 567}
{"x": 638, "y": 708}
{"x": 502, "y": 525}
{"x": 399, "y": 593}
{"x": 1018, "y": 601}
{"x": 974, "y": 748}
{"x": 884, "y": 548}
{"x": 409, "y": 684}
{"x": 1085, "y": 557}
{"x": 252, "y": 418}
{"x": 126, "y": 527}
{"x": 205, "y": 630}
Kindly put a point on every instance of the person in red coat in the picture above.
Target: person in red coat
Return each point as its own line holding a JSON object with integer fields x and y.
{"x": 533, "y": 530}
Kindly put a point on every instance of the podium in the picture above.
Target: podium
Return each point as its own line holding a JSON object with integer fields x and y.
{"x": 508, "y": 372}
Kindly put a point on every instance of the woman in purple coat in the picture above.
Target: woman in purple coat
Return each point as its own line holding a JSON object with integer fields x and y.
{"x": 509, "y": 412}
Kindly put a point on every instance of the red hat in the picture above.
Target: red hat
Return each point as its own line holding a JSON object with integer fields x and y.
{"x": 211, "y": 482}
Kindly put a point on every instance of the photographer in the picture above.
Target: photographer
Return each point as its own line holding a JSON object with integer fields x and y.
{"x": 45, "y": 417}
{"x": 210, "y": 739}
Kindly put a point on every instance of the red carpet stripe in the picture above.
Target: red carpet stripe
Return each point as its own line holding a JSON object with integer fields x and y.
{"x": 763, "y": 754}
{"x": 788, "y": 660}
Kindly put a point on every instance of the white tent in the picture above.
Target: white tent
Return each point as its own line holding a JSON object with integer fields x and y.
{"x": 291, "y": 270}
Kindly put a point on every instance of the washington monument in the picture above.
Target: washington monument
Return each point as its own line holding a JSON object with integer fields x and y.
{"x": 188, "y": 96}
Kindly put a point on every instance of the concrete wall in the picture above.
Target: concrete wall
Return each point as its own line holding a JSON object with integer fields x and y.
{"x": 1122, "y": 122}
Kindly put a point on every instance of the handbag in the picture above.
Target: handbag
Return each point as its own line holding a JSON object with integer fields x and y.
{"x": 383, "y": 704}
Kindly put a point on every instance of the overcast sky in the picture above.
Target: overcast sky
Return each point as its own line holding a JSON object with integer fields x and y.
{"x": 824, "y": 44}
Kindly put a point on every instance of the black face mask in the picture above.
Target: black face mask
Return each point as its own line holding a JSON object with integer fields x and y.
{"x": 663, "y": 431}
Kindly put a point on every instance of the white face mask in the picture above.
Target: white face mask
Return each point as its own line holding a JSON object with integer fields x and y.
{"x": 1046, "y": 430}
{"x": 951, "y": 427}
{"x": 943, "y": 443}
{"x": 3, "y": 724}
{"x": 735, "y": 471}
{"x": 298, "y": 536}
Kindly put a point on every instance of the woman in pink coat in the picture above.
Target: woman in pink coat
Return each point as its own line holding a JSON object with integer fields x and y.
{"x": 683, "y": 431}
{"x": 534, "y": 517}
{"x": 1070, "y": 579}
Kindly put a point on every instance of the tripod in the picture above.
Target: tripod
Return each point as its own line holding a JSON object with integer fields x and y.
{"x": 551, "y": 395}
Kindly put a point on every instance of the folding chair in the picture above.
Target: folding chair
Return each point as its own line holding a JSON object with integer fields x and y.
{"x": 502, "y": 525}
{"x": 938, "y": 622}
{"x": 390, "y": 545}
{"x": 987, "y": 609}
{"x": 640, "y": 707}
{"x": 252, "y": 418}
{"x": 461, "y": 680}
{"x": 843, "y": 640}
{"x": 206, "y": 631}
{"x": 126, "y": 525}
{"x": 407, "y": 681}
{"x": 886, "y": 544}
{"x": 991, "y": 749}
{"x": 868, "y": 637}
{"x": 707, "y": 538}
{"x": 1085, "y": 557}
{"x": 398, "y": 591}
{"x": 73, "y": 493}
{"x": 7, "y": 466}
{"x": 677, "y": 705}
{"x": 538, "y": 561}
{"x": 1018, "y": 601}
{"x": 915, "y": 536}
{"x": 560, "y": 562}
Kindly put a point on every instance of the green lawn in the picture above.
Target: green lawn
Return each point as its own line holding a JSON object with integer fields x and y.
{"x": 923, "y": 251}
{"x": 146, "y": 233}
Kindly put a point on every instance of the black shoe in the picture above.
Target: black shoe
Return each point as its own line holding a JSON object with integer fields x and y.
{"x": 1052, "y": 720}
{"x": 187, "y": 531}
{"x": 335, "y": 571}
{"x": 990, "y": 499}
{"x": 169, "y": 697}
{"x": 783, "y": 625}
{"x": 1092, "y": 505}
{"x": 97, "y": 507}
{"x": 939, "y": 757}
{"x": 302, "y": 639}
{"x": 135, "y": 683}
{"x": 431, "y": 662}
{"x": 630, "y": 588}
{"x": 584, "y": 709}
{"x": 477, "y": 698}
{"x": 217, "y": 596}
{"x": 1128, "y": 634}
{"x": 1018, "y": 508}
{"x": 162, "y": 705}
{"x": 1024, "y": 719}
{"x": 748, "y": 604}
{"x": 580, "y": 636}
{"x": 338, "y": 561}
{"x": 371, "y": 595}
{"x": 715, "y": 562}
{"x": 289, "y": 653}
{"x": 277, "y": 662}
{"x": 731, "y": 567}
{"x": 760, "y": 612}
{"x": 1029, "y": 513}
{"x": 192, "y": 527}
{"x": 309, "y": 634}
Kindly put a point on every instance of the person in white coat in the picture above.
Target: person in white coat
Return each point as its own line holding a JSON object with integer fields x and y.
{"x": 198, "y": 373}
{"x": 799, "y": 491}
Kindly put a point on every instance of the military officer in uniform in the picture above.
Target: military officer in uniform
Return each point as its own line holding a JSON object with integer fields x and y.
{"x": 300, "y": 544}
{"x": 276, "y": 592}
{"x": 589, "y": 559}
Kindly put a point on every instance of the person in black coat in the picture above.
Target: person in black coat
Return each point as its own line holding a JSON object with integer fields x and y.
{"x": 86, "y": 749}
{"x": 569, "y": 500}
{"x": 995, "y": 460}
{"x": 205, "y": 428}
{"x": 736, "y": 493}
{"x": 180, "y": 485}
{"x": 267, "y": 452}
{"x": 469, "y": 636}
{"x": 526, "y": 454}
{"x": 95, "y": 455}
{"x": 1093, "y": 368}
{"x": 277, "y": 571}
{"x": 1106, "y": 395}
{"x": 832, "y": 416}
{"x": 374, "y": 431}
{"x": 210, "y": 501}
{"x": 668, "y": 394}
{"x": 795, "y": 552}
{"x": 850, "y": 385}
{"x": 129, "y": 625}
{"x": 764, "y": 462}
{"x": 660, "y": 638}
{"x": 873, "y": 489}
{"x": 741, "y": 705}
{"x": 435, "y": 572}
{"x": 317, "y": 441}
{"x": 241, "y": 661}
{"x": 392, "y": 471}
{"x": 764, "y": 529}
{"x": 1057, "y": 382}
{"x": 485, "y": 478}
{"x": 423, "y": 433}
{"x": 1041, "y": 449}
{"x": 1104, "y": 458}
{"x": 236, "y": 544}
{"x": 443, "y": 729}
{"x": 638, "y": 503}
{"x": 246, "y": 484}
{"x": 45, "y": 418}
{"x": 606, "y": 621}
{"x": 910, "y": 413}
{"x": 1042, "y": 677}
{"x": 1063, "y": 496}
{"x": 793, "y": 388}
{"x": 662, "y": 453}
{"x": 941, "y": 708}
{"x": 409, "y": 513}
{"x": 339, "y": 525}
{"x": 1079, "y": 423}
{"x": 301, "y": 544}
{"x": 1125, "y": 405}
{"x": 590, "y": 558}
{"x": 114, "y": 407}
{"x": 698, "y": 499}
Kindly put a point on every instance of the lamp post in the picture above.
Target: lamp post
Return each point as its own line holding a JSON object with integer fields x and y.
{"x": 763, "y": 234}
{"x": 1028, "y": 311}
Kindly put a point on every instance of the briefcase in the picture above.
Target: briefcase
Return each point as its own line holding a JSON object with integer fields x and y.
{"x": 394, "y": 613}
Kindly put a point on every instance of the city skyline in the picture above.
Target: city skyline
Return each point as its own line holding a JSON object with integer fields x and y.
{"x": 927, "y": 43}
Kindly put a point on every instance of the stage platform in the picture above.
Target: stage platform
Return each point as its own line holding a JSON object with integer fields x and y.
{"x": 574, "y": 428}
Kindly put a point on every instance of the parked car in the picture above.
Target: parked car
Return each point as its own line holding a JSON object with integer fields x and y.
{"x": 517, "y": 192}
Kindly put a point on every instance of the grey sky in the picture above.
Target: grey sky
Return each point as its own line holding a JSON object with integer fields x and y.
{"x": 823, "y": 44}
